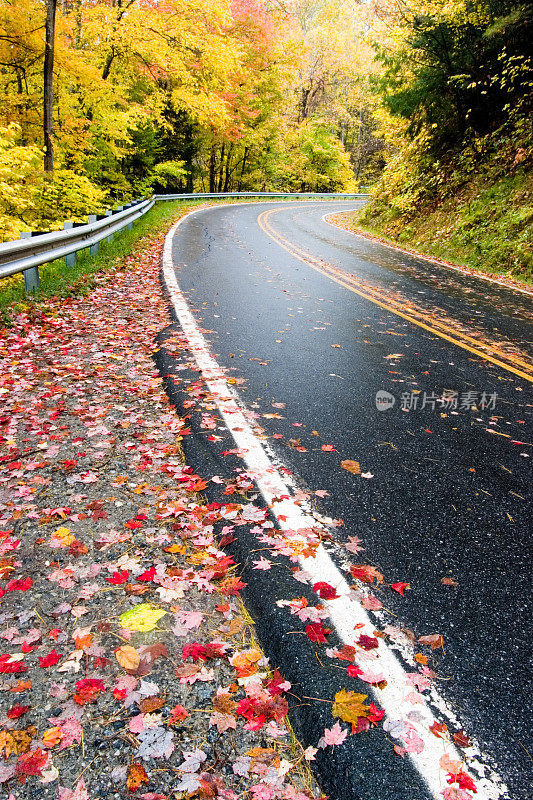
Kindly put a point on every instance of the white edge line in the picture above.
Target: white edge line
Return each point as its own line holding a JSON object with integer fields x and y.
{"x": 344, "y": 612}
{"x": 421, "y": 256}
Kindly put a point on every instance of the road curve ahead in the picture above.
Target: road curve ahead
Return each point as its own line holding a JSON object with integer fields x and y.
{"x": 418, "y": 378}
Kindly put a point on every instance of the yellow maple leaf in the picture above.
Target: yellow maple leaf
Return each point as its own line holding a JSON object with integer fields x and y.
{"x": 143, "y": 617}
{"x": 349, "y": 706}
{"x": 64, "y": 536}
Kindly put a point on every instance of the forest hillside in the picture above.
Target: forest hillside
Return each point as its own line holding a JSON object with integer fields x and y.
{"x": 457, "y": 79}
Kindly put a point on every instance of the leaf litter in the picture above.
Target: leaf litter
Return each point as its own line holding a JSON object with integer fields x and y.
{"x": 128, "y": 666}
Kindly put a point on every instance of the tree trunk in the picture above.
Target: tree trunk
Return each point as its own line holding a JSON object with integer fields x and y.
{"x": 107, "y": 66}
{"x": 48, "y": 107}
{"x": 212, "y": 172}
{"x": 221, "y": 169}
{"x": 228, "y": 172}
{"x": 242, "y": 169}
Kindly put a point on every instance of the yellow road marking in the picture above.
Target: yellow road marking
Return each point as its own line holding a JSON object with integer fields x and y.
{"x": 453, "y": 336}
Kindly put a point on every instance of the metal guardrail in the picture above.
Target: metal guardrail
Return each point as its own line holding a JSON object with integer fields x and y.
{"x": 32, "y": 250}
{"x": 303, "y": 195}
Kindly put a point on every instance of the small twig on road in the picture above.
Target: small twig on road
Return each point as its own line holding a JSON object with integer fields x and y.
{"x": 526, "y": 750}
{"x": 321, "y": 699}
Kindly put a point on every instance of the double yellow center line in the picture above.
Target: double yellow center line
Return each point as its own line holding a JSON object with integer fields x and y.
{"x": 486, "y": 351}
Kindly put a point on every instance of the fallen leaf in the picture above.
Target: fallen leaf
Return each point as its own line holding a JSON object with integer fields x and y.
{"x": 50, "y": 660}
{"x": 438, "y": 729}
{"x": 316, "y": 632}
{"x": 16, "y": 742}
{"x": 351, "y": 466}
{"x": 325, "y": 591}
{"x": 136, "y": 776}
{"x": 143, "y": 617}
{"x": 349, "y": 706}
{"x": 150, "y": 704}
{"x": 333, "y": 735}
{"x": 435, "y": 640}
{"x": 366, "y": 573}
{"x": 400, "y": 587}
{"x": 52, "y": 736}
{"x": 461, "y": 739}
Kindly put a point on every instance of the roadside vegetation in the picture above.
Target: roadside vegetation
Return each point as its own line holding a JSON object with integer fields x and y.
{"x": 228, "y": 95}
{"x": 456, "y": 79}
{"x": 479, "y": 215}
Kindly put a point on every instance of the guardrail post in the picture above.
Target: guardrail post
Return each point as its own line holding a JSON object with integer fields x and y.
{"x": 109, "y": 214}
{"x": 31, "y": 275}
{"x": 93, "y": 249}
{"x": 129, "y": 226}
{"x": 70, "y": 260}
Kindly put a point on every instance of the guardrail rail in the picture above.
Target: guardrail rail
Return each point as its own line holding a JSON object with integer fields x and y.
{"x": 34, "y": 249}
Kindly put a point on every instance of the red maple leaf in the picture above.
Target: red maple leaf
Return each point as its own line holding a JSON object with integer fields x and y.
{"x": 275, "y": 683}
{"x": 119, "y": 577}
{"x": 400, "y": 587}
{"x": 346, "y": 652}
{"x": 375, "y": 714}
{"x": 316, "y": 632}
{"x": 221, "y": 566}
{"x": 51, "y": 659}
{"x": 245, "y": 708}
{"x": 7, "y": 666}
{"x": 177, "y": 714}
{"x": 255, "y": 723}
{"x": 367, "y": 642}
{"x": 19, "y": 585}
{"x": 148, "y": 575}
{"x": 353, "y": 671}
{"x": 366, "y": 573}
{"x": 31, "y": 763}
{"x": 361, "y": 725}
{"x": 463, "y": 779}
{"x": 214, "y": 649}
{"x": 88, "y": 690}
{"x": 132, "y": 524}
{"x": 325, "y": 591}
{"x": 461, "y": 739}
{"x": 232, "y": 586}
{"x": 195, "y": 651}
{"x": 16, "y": 711}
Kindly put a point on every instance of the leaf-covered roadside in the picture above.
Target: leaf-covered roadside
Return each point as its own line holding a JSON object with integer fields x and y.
{"x": 127, "y": 665}
{"x": 473, "y": 208}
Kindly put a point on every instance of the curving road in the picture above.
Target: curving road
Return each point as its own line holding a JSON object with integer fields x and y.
{"x": 311, "y": 322}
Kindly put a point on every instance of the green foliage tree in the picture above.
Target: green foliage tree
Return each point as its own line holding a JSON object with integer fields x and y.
{"x": 458, "y": 69}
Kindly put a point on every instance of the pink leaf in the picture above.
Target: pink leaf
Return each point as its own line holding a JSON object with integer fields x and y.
{"x": 333, "y": 735}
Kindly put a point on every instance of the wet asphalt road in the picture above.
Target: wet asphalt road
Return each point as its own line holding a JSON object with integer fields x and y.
{"x": 449, "y": 496}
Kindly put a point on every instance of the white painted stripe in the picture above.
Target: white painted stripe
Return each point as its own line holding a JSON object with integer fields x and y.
{"x": 344, "y": 612}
